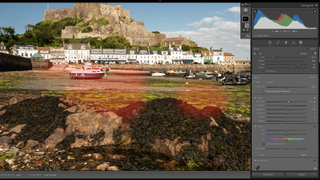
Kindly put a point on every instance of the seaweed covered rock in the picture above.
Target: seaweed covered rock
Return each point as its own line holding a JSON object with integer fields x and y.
{"x": 131, "y": 110}
{"x": 50, "y": 122}
{"x": 40, "y": 117}
{"x": 14, "y": 100}
{"x": 167, "y": 147}
{"x": 170, "y": 127}
{"x": 93, "y": 128}
{"x": 86, "y": 128}
{"x": 180, "y": 131}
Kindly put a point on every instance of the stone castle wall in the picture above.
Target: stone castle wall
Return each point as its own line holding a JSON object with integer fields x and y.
{"x": 87, "y": 10}
{"x": 137, "y": 23}
{"x": 120, "y": 23}
{"x": 69, "y": 31}
{"x": 177, "y": 42}
{"x": 58, "y": 14}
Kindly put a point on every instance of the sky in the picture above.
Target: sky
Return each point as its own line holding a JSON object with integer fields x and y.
{"x": 213, "y": 25}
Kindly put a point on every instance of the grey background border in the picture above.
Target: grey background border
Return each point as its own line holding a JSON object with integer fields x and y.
{"x": 125, "y": 174}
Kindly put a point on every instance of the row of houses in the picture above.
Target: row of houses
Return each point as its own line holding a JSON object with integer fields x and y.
{"x": 79, "y": 53}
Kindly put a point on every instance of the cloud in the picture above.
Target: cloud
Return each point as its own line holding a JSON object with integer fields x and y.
{"x": 225, "y": 34}
{"x": 235, "y": 10}
{"x": 205, "y": 21}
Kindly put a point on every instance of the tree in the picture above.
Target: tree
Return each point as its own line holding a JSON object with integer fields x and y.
{"x": 28, "y": 27}
{"x": 156, "y": 32}
{"x": 87, "y": 29}
{"x": 66, "y": 41}
{"x": 185, "y": 48}
{"x": 94, "y": 42}
{"x": 9, "y": 31}
{"x": 43, "y": 35}
{"x": 115, "y": 42}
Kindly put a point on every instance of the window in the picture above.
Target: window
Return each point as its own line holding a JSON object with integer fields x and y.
{"x": 69, "y": 46}
{"x": 83, "y": 46}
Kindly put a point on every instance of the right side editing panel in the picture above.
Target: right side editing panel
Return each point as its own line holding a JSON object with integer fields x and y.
{"x": 285, "y": 57}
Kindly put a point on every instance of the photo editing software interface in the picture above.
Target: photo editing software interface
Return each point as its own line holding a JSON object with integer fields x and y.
{"x": 282, "y": 137}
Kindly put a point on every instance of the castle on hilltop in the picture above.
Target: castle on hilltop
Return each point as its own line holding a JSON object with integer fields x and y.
{"x": 120, "y": 23}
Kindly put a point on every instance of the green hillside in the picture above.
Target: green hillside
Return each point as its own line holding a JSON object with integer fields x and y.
{"x": 48, "y": 34}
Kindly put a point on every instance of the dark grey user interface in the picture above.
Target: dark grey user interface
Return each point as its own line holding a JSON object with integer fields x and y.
{"x": 285, "y": 85}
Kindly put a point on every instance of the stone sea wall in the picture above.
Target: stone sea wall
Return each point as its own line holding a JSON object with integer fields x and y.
{"x": 14, "y": 63}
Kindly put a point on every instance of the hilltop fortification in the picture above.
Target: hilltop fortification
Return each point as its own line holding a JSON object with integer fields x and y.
{"x": 120, "y": 23}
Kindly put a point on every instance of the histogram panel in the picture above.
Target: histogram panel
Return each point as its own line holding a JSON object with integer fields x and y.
{"x": 284, "y": 23}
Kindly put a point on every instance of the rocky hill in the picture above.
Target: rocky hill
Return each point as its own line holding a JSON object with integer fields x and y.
{"x": 120, "y": 23}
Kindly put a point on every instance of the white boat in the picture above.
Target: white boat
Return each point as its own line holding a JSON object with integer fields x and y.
{"x": 87, "y": 73}
{"x": 171, "y": 72}
{"x": 201, "y": 75}
{"x": 158, "y": 74}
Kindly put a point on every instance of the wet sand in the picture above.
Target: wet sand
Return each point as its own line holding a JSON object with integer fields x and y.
{"x": 57, "y": 78}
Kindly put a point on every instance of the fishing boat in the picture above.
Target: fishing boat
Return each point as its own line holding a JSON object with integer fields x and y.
{"x": 180, "y": 72}
{"x": 172, "y": 72}
{"x": 248, "y": 76}
{"x": 198, "y": 76}
{"x": 158, "y": 74}
{"x": 234, "y": 81}
{"x": 87, "y": 73}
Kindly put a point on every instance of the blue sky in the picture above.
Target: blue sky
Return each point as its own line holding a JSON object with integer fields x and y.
{"x": 208, "y": 24}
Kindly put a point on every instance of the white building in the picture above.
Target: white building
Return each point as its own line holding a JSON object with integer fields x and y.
{"x": 3, "y": 48}
{"x": 176, "y": 54}
{"x": 108, "y": 56}
{"x": 25, "y": 50}
{"x": 166, "y": 57}
{"x": 198, "y": 58}
{"x": 187, "y": 57}
{"x": 57, "y": 55}
{"x": 144, "y": 57}
{"x": 132, "y": 55}
{"x": 155, "y": 56}
{"x": 95, "y": 54}
{"x": 218, "y": 56}
{"x": 76, "y": 53}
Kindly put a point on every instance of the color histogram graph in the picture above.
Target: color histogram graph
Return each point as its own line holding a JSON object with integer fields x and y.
{"x": 284, "y": 21}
